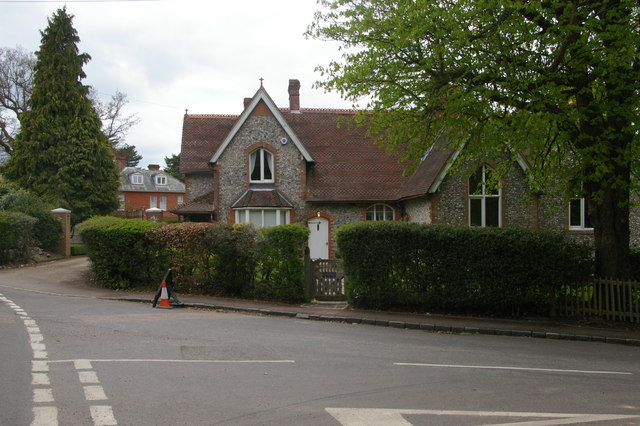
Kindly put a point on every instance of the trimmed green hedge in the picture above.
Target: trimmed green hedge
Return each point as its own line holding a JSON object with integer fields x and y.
{"x": 280, "y": 263}
{"x": 206, "y": 258}
{"x": 16, "y": 237}
{"x": 122, "y": 256}
{"x": 48, "y": 228}
{"x": 488, "y": 271}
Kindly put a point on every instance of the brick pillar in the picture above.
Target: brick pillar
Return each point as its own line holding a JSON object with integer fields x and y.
{"x": 65, "y": 216}
{"x": 153, "y": 214}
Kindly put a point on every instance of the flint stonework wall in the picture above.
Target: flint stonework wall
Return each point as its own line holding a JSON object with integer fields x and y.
{"x": 233, "y": 164}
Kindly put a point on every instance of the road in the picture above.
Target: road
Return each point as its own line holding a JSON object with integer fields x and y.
{"x": 87, "y": 361}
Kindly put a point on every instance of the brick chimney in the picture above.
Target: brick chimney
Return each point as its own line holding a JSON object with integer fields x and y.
{"x": 154, "y": 167}
{"x": 121, "y": 159}
{"x": 294, "y": 96}
{"x": 247, "y": 101}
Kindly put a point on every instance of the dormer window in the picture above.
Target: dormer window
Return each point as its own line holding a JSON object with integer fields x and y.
{"x": 136, "y": 179}
{"x": 161, "y": 180}
{"x": 261, "y": 166}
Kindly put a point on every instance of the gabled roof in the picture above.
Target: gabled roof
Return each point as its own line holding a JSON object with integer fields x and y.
{"x": 261, "y": 96}
{"x": 346, "y": 164}
{"x": 262, "y": 197}
{"x": 201, "y": 204}
{"x": 148, "y": 181}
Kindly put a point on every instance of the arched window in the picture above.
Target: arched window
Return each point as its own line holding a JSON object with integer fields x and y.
{"x": 484, "y": 199}
{"x": 379, "y": 212}
{"x": 261, "y": 166}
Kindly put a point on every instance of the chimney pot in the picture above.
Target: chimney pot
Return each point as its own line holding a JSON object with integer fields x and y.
{"x": 154, "y": 167}
{"x": 294, "y": 95}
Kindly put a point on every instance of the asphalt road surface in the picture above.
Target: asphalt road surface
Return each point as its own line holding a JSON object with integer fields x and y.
{"x": 88, "y": 361}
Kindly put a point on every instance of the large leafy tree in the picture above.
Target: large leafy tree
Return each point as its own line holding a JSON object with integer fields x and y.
{"x": 557, "y": 80}
{"x": 16, "y": 84}
{"x": 60, "y": 152}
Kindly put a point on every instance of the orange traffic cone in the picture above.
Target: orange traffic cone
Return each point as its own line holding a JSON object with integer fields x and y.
{"x": 164, "y": 297}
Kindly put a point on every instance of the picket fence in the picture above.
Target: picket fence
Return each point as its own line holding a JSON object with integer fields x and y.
{"x": 613, "y": 300}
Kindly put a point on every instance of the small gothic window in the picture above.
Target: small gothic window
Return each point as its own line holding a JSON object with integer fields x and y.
{"x": 261, "y": 166}
{"x": 484, "y": 199}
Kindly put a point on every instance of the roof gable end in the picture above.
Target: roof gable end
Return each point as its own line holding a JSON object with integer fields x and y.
{"x": 262, "y": 95}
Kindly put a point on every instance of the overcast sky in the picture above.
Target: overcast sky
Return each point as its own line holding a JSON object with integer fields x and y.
{"x": 170, "y": 55}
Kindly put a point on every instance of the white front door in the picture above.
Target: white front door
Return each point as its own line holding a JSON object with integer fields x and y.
{"x": 319, "y": 238}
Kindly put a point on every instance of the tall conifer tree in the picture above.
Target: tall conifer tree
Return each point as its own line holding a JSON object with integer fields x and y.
{"x": 61, "y": 153}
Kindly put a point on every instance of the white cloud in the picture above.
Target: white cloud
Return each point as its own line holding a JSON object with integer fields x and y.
{"x": 170, "y": 55}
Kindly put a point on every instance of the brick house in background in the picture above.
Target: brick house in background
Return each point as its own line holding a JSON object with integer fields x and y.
{"x": 142, "y": 189}
{"x": 272, "y": 166}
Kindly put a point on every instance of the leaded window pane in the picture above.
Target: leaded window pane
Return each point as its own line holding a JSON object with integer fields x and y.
{"x": 492, "y": 211}
{"x": 475, "y": 211}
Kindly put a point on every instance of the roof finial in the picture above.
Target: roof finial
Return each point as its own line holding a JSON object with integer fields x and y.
{"x": 261, "y": 80}
{"x": 186, "y": 111}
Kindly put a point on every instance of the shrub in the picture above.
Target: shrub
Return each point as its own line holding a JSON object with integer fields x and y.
{"x": 48, "y": 227}
{"x": 209, "y": 258}
{"x": 505, "y": 271}
{"x": 16, "y": 237}
{"x": 280, "y": 263}
{"x": 122, "y": 256}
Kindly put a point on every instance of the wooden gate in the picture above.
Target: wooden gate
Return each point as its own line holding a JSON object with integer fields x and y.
{"x": 324, "y": 279}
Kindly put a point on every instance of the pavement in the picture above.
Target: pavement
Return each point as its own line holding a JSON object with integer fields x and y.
{"x": 71, "y": 277}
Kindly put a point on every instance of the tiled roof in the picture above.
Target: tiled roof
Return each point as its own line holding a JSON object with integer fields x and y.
{"x": 148, "y": 184}
{"x": 201, "y": 204}
{"x": 262, "y": 197}
{"x": 348, "y": 165}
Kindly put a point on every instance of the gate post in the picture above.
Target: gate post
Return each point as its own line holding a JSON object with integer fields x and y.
{"x": 65, "y": 217}
{"x": 309, "y": 276}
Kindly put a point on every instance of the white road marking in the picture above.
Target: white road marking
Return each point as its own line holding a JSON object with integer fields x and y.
{"x": 88, "y": 377}
{"x": 187, "y": 361}
{"x": 102, "y": 415}
{"x": 40, "y": 379}
{"x": 42, "y": 366}
{"x": 394, "y": 417}
{"x": 94, "y": 393}
{"x": 45, "y": 416}
{"x": 82, "y": 364}
{"x": 490, "y": 367}
{"x": 42, "y": 392}
{"x": 42, "y": 395}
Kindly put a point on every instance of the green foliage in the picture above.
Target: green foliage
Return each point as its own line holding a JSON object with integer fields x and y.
{"x": 61, "y": 153}
{"x": 280, "y": 268}
{"x": 122, "y": 255}
{"x": 209, "y": 258}
{"x": 16, "y": 237}
{"x": 173, "y": 166}
{"x": 489, "y": 271}
{"x": 131, "y": 155}
{"x": 557, "y": 80}
{"x": 48, "y": 227}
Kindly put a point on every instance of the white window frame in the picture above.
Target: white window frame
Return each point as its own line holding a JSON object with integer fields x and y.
{"x": 379, "y": 212}
{"x": 161, "y": 180}
{"x": 242, "y": 215}
{"x": 153, "y": 201}
{"x": 163, "y": 203}
{"x": 582, "y": 206}
{"x": 137, "y": 179}
{"x": 483, "y": 196}
{"x": 121, "y": 202}
{"x": 262, "y": 155}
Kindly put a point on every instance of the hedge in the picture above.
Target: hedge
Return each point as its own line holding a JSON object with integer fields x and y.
{"x": 280, "y": 263}
{"x": 122, "y": 256}
{"x": 488, "y": 271}
{"x": 206, "y": 258}
{"x": 209, "y": 258}
{"x": 48, "y": 227}
{"x": 16, "y": 237}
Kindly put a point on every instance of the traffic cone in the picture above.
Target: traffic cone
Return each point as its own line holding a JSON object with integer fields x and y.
{"x": 164, "y": 297}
